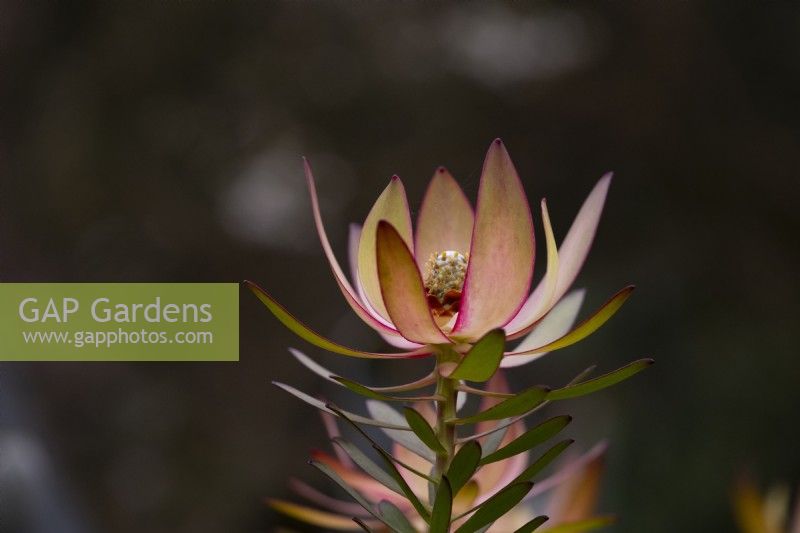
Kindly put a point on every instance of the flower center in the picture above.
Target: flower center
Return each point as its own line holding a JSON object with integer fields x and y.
{"x": 444, "y": 279}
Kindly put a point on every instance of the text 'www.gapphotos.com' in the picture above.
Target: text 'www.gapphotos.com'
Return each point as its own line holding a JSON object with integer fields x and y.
{"x": 98, "y": 339}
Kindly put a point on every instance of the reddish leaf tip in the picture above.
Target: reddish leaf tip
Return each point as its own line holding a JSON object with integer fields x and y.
{"x": 498, "y": 141}
{"x": 384, "y": 225}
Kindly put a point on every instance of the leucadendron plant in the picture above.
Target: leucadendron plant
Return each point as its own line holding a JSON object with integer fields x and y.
{"x": 457, "y": 291}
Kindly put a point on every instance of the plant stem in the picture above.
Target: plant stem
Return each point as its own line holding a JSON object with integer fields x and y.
{"x": 446, "y": 410}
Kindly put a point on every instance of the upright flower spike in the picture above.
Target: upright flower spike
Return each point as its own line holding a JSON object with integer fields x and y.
{"x": 458, "y": 289}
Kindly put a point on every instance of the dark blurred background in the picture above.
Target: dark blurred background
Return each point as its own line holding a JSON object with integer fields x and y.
{"x": 161, "y": 141}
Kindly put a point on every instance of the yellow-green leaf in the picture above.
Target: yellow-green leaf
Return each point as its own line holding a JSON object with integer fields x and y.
{"x": 585, "y": 328}
{"x": 306, "y": 333}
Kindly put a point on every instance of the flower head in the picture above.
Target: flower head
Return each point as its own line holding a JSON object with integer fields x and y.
{"x": 462, "y": 272}
{"x": 443, "y": 279}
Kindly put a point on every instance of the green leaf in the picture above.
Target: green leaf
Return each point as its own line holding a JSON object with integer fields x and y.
{"x": 480, "y": 392}
{"x": 327, "y": 375}
{"x": 360, "y": 419}
{"x": 533, "y": 437}
{"x": 504, "y": 424}
{"x": 546, "y": 458}
{"x": 496, "y": 506}
{"x": 483, "y": 359}
{"x": 423, "y": 430}
{"x": 582, "y": 525}
{"x": 585, "y": 328}
{"x": 306, "y": 333}
{"x": 408, "y": 438}
{"x": 363, "y": 502}
{"x": 335, "y": 410}
{"x": 394, "y": 517}
{"x": 312, "y": 365}
{"x": 584, "y": 374}
{"x": 368, "y": 465}
{"x": 365, "y": 391}
{"x": 442, "y": 508}
{"x": 464, "y": 464}
{"x": 600, "y": 382}
{"x": 533, "y": 524}
{"x": 407, "y": 492}
{"x": 519, "y": 404}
